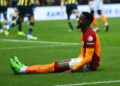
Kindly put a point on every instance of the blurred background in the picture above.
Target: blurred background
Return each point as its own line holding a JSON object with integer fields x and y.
{"x": 57, "y": 2}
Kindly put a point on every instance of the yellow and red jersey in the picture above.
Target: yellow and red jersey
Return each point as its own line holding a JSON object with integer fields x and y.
{"x": 90, "y": 40}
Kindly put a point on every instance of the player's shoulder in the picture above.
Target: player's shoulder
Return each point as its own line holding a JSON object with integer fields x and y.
{"x": 90, "y": 35}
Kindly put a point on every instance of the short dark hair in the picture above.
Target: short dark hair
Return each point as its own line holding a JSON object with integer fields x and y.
{"x": 89, "y": 16}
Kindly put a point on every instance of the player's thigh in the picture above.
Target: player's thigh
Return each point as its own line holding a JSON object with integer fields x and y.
{"x": 28, "y": 11}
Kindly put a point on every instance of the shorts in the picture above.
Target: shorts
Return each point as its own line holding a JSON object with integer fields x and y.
{"x": 14, "y": 4}
{"x": 96, "y": 4}
{"x": 3, "y": 9}
{"x": 75, "y": 61}
{"x": 70, "y": 8}
{"x": 25, "y": 11}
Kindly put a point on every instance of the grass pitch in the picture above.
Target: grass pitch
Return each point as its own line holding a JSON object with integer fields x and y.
{"x": 48, "y": 48}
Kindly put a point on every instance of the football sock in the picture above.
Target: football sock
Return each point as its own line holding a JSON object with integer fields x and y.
{"x": 49, "y": 68}
{"x": 103, "y": 18}
{"x": 30, "y": 28}
{"x": 0, "y": 26}
{"x": 70, "y": 24}
{"x": 95, "y": 22}
{"x": 6, "y": 21}
{"x": 20, "y": 27}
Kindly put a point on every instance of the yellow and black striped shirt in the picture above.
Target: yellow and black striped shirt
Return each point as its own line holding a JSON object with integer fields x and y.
{"x": 3, "y": 3}
{"x": 25, "y": 2}
{"x": 71, "y": 2}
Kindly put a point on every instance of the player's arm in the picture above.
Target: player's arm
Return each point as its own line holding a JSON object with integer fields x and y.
{"x": 62, "y": 3}
{"x": 88, "y": 57}
{"x": 82, "y": 53}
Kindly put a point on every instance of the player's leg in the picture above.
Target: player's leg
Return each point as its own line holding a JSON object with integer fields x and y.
{"x": 1, "y": 30}
{"x": 20, "y": 32}
{"x": 5, "y": 15}
{"x": 30, "y": 30}
{"x": 96, "y": 29}
{"x": 93, "y": 6}
{"x": 69, "y": 12}
{"x": 18, "y": 67}
{"x": 104, "y": 20}
{"x": 75, "y": 11}
{"x": 10, "y": 25}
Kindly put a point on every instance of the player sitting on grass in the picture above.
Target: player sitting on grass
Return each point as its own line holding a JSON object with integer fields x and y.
{"x": 88, "y": 60}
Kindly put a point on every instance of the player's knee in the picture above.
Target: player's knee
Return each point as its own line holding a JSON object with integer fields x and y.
{"x": 92, "y": 12}
{"x": 99, "y": 12}
{"x": 31, "y": 19}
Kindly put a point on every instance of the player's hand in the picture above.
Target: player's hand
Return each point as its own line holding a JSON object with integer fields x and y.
{"x": 67, "y": 71}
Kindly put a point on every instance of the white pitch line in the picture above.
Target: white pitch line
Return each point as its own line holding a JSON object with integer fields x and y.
{"x": 91, "y": 83}
{"x": 26, "y": 47}
{"x": 44, "y": 42}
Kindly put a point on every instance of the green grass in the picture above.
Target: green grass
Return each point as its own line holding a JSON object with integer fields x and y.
{"x": 57, "y": 31}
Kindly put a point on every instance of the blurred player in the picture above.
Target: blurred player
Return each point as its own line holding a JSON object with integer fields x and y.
{"x": 97, "y": 5}
{"x": 88, "y": 60}
{"x": 3, "y": 9}
{"x": 24, "y": 8}
{"x": 15, "y": 17}
{"x": 71, "y": 7}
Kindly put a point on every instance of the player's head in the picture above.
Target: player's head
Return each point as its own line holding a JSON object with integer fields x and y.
{"x": 85, "y": 20}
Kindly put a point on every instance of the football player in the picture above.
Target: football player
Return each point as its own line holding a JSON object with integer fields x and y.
{"x": 96, "y": 5}
{"x": 88, "y": 60}
{"x": 71, "y": 7}
{"x": 24, "y": 8}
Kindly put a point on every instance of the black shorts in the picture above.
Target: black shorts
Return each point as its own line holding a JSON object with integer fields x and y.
{"x": 25, "y": 11}
{"x": 70, "y": 8}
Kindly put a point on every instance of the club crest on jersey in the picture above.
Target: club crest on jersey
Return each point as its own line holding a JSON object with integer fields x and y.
{"x": 90, "y": 38}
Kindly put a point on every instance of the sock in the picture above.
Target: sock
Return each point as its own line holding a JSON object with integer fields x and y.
{"x": 0, "y": 26}
{"x": 95, "y": 22}
{"x": 30, "y": 28}
{"x": 6, "y": 21}
{"x": 70, "y": 24}
{"x": 103, "y": 18}
{"x": 49, "y": 68}
{"x": 20, "y": 27}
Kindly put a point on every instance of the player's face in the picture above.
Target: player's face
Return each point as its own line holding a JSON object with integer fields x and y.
{"x": 82, "y": 22}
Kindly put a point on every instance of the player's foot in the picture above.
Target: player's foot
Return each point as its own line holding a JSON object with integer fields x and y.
{"x": 70, "y": 30}
{"x": 21, "y": 34}
{"x": 30, "y": 37}
{"x": 5, "y": 33}
{"x": 1, "y": 30}
{"x": 106, "y": 28}
{"x": 15, "y": 67}
{"x": 96, "y": 30}
{"x": 18, "y": 62}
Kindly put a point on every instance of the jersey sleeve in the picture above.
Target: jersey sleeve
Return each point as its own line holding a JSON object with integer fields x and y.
{"x": 89, "y": 41}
